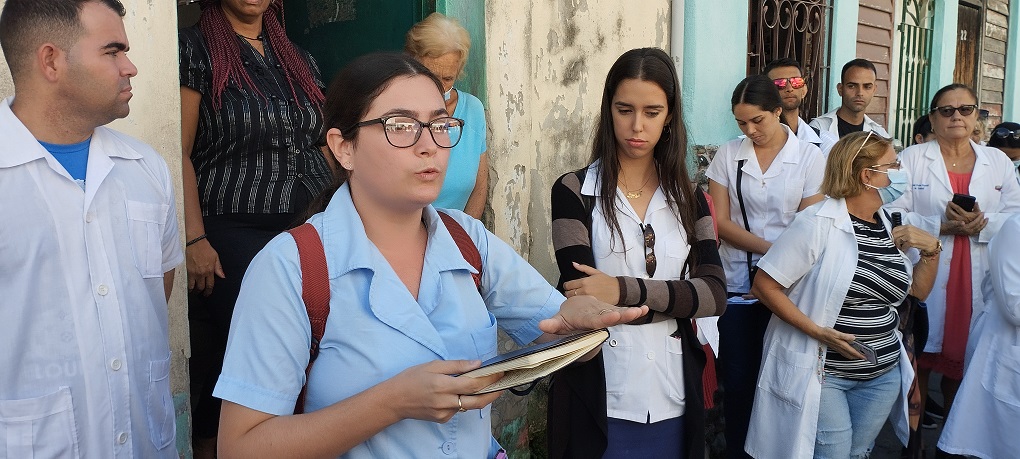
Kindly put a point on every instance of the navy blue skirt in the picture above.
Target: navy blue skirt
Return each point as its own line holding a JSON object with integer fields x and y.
{"x": 634, "y": 440}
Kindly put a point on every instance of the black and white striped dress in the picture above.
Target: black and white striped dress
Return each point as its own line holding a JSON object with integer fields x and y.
{"x": 869, "y": 312}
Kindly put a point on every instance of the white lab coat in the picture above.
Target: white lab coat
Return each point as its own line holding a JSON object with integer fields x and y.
{"x": 985, "y": 419}
{"x": 994, "y": 185}
{"x": 815, "y": 259}
{"x": 828, "y": 122}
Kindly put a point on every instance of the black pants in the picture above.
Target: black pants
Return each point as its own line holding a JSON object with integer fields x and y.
{"x": 741, "y": 332}
{"x": 237, "y": 238}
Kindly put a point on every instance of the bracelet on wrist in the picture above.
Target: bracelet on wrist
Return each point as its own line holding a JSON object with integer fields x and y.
{"x": 193, "y": 241}
{"x": 934, "y": 252}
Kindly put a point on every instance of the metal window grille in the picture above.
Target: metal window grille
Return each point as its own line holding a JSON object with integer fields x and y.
{"x": 798, "y": 29}
{"x": 914, "y": 66}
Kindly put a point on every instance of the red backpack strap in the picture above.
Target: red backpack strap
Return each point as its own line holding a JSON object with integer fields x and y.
{"x": 467, "y": 247}
{"x": 314, "y": 293}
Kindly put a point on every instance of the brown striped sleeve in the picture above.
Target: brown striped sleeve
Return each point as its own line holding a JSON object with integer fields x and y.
{"x": 703, "y": 295}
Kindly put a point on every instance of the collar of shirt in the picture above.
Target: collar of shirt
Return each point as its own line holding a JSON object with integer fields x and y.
{"x": 12, "y": 130}
{"x": 789, "y": 154}
{"x": 342, "y": 227}
{"x": 806, "y": 133}
{"x": 592, "y": 184}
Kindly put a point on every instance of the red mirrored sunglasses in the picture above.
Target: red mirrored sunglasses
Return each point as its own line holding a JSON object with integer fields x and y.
{"x": 795, "y": 82}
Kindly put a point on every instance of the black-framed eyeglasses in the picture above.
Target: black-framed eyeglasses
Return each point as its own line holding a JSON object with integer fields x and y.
{"x": 1004, "y": 133}
{"x": 649, "y": 234}
{"x": 947, "y": 110}
{"x": 404, "y": 131}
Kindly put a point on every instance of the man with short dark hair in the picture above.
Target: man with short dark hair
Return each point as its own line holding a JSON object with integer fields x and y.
{"x": 88, "y": 244}
{"x": 788, "y": 76}
{"x": 857, "y": 88}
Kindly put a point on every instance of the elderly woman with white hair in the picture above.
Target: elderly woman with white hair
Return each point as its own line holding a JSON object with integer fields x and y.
{"x": 441, "y": 44}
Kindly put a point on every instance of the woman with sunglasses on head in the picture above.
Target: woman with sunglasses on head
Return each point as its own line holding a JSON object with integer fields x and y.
{"x": 631, "y": 229}
{"x": 405, "y": 315}
{"x": 1006, "y": 137}
{"x": 985, "y": 180}
{"x": 834, "y": 367}
{"x": 758, "y": 183}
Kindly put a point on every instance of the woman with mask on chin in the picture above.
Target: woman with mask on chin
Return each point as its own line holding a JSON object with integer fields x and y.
{"x": 441, "y": 44}
{"x": 955, "y": 164}
{"x": 833, "y": 280}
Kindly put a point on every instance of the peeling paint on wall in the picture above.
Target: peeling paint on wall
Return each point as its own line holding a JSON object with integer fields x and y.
{"x": 546, "y": 66}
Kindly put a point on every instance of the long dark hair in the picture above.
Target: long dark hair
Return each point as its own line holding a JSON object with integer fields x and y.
{"x": 225, "y": 53}
{"x": 349, "y": 97}
{"x": 670, "y": 153}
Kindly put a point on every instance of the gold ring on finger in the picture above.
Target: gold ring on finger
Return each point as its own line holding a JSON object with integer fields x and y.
{"x": 460, "y": 405}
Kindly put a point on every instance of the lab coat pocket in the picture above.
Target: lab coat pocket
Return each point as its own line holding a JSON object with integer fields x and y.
{"x": 792, "y": 194}
{"x": 160, "y": 404}
{"x": 1002, "y": 376}
{"x": 41, "y": 427}
{"x": 145, "y": 221}
{"x": 786, "y": 374}
{"x": 616, "y": 354}
{"x": 485, "y": 340}
{"x": 675, "y": 368}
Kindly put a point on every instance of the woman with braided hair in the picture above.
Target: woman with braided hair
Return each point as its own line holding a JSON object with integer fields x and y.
{"x": 251, "y": 127}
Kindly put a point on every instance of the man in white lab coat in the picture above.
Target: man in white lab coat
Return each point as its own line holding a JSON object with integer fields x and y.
{"x": 88, "y": 244}
{"x": 857, "y": 88}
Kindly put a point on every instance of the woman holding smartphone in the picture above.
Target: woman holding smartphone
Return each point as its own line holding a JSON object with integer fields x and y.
{"x": 986, "y": 194}
{"x": 834, "y": 367}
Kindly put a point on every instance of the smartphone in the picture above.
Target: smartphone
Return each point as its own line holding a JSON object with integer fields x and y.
{"x": 965, "y": 201}
{"x": 869, "y": 352}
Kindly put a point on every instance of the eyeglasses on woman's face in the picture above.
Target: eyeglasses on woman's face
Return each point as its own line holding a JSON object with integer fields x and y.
{"x": 892, "y": 165}
{"x": 947, "y": 110}
{"x": 794, "y": 82}
{"x": 403, "y": 131}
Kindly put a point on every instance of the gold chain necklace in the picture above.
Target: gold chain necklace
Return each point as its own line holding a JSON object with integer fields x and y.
{"x": 633, "y": 194}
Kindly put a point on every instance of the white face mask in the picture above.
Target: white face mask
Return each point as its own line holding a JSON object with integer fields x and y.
{"x": 446, "y": 95}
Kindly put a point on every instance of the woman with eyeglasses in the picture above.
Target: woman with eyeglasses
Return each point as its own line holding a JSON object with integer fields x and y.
{"x": 405, "y": 315}
{"x": 988, "y": 193}
{"x": 758, "y": 184}
{"x": 834, "y": 367}
{"x": 631, "y": 229}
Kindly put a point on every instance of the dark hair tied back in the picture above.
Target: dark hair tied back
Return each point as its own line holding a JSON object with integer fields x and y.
{"x": 350, "y": 96}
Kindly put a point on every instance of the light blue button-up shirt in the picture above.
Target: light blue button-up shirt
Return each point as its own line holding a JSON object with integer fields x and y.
{"x": 376, "y": 329}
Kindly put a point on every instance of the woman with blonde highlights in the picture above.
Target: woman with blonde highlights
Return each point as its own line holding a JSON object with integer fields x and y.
{"x": 442, "y": 46}
{"x": 834, "y": 367}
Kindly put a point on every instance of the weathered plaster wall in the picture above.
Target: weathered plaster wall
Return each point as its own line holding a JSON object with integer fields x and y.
{"x": 547, "y": 63}
{"x": 155, "y": 118}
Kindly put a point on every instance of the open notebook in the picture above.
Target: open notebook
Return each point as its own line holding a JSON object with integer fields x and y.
{"x": 533, "y": 362}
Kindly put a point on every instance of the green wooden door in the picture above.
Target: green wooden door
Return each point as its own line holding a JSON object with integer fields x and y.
{"x": 337, "y": 31}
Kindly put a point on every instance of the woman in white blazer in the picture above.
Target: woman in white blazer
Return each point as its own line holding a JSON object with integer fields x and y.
{"x": 984, "y": 423}
{"x": 833, "y": 281}
{"x": 953, "y": 163}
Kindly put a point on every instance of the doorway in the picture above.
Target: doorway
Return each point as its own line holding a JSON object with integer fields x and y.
{"x": 968, "y": 44}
